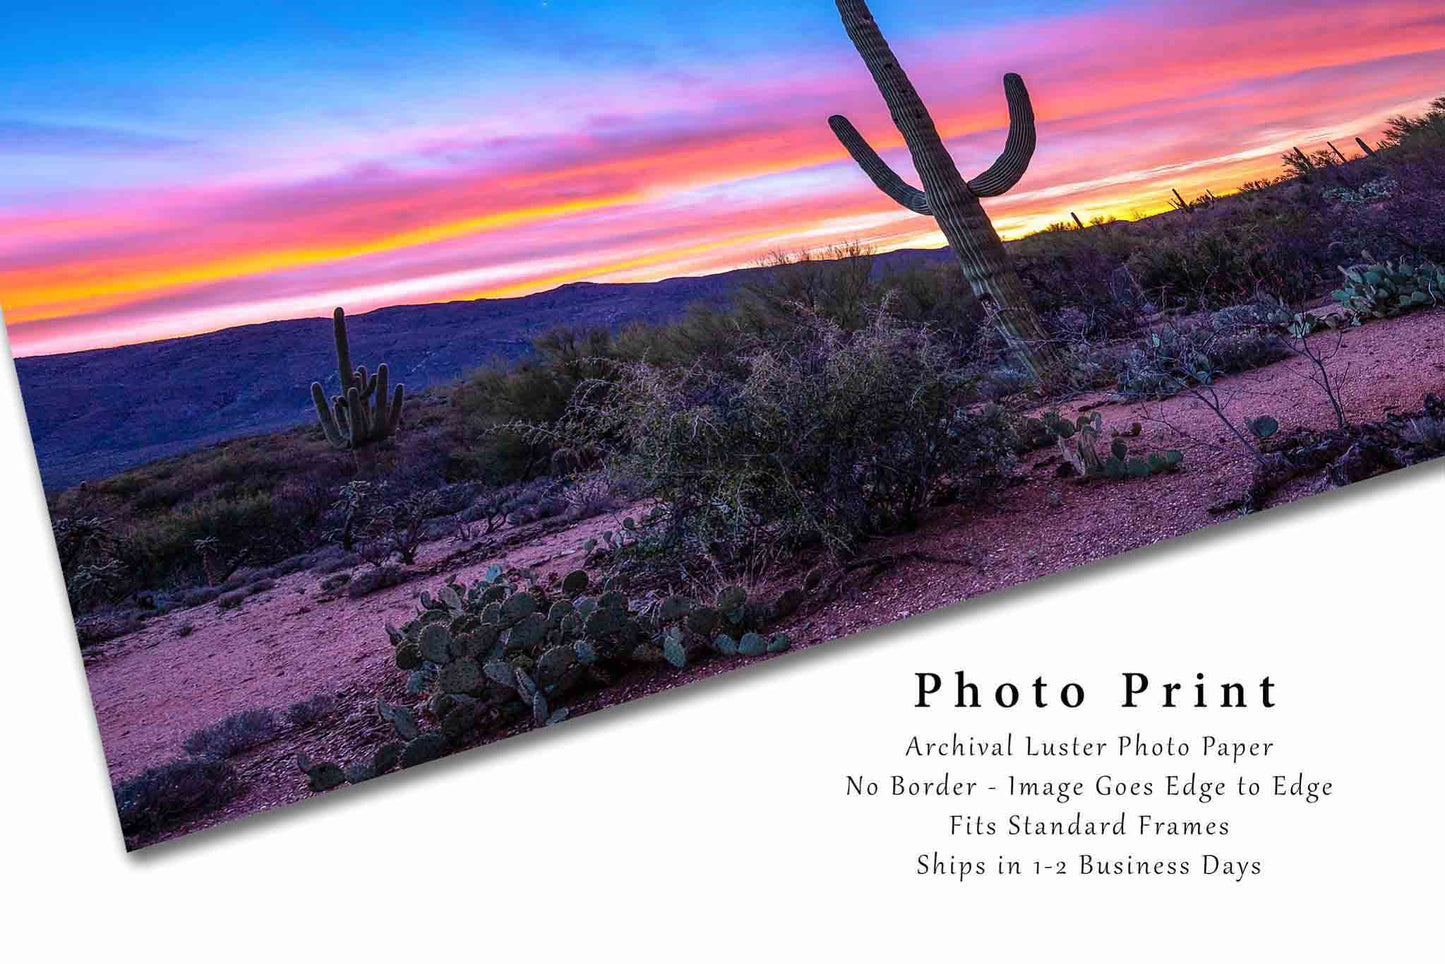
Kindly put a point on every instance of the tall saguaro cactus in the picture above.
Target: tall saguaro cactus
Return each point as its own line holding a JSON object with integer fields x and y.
{"x": 952, "y": 201}
{"x": 362, "y": 414}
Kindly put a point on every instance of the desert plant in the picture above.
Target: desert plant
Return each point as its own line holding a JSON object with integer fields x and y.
{"x": 398, "y": 529}
{"x": 355, "y": 504}
{"x": 208, "y": 548}
{"x": 234, "y": 734}
{"x": 1078, "y": 443}
{"x": 1390, "y": 288}
{"x": 372, "y": 580}
{"x": 1319, "y": 352}
{"x": 307, "y": 712}
{"x": 1173, "y": 367}
{"x": 489, "y": 511}
{"x": 233, "y": 599}
{"x": 946, "y": 196}
{"x": 1426, "y": 432}
{"x": 506, "y": 651}
{"x": 1233, "y": 340}
{"x": 166, "y": 795}
{"x": 362, "y": 414}
{"x": 1370, "y": 192}
{"x": 1409, "y": 132}
{"x": 829, "y": 438}
{"x": 90, "y": 560}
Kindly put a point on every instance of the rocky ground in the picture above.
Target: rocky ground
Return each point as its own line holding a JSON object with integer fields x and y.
{"x": 153, "y": 688}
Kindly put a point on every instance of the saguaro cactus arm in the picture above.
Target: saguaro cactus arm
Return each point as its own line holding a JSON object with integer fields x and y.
{"x": 1018, "y": 150}
{"x": 909, "y": 114}
{"x": 335, "y": 434}
{"x": 876, "y": 168}
{"x": 945, "y": 195}
{"x": 914, "y": 122}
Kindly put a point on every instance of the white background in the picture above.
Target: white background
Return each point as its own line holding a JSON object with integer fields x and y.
{"x": 712, "y": 822}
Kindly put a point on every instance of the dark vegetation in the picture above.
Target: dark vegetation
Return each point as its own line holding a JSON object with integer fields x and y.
{"x": 828, "y": 403}
{"x": 205, "y": 780}
{"x": 235, "y": 734}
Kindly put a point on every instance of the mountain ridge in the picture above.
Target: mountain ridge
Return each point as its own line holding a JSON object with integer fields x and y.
{"x": 161, "y": 398}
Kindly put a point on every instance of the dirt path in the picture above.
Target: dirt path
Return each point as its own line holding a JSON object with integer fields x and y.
{"x": 155, "y": 687}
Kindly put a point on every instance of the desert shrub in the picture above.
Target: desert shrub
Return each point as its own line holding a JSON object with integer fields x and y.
{"x": 374, "y": 579}
{"x": 233, "y": 599}
{"x": 235, "y": 734}
{"x": 105, "y": 624}
{"x": 1236, "y": 253}
{"x": 333, "y": 559}
{"x": 1005, "y": 381}
{"x": 397, "y": 529}
{"x": 590, "y": 497}
{"x": 832, "y": 437}
{"x": 198, "y": 596}
{"x": 493, "y": 401}
{"x": 452, "y": 499}
{"x": 1411, "y": 225}
{"x": 308, "y": 711}
{"x": 489, "y": 511}
{"x": 165, "y": 546}
{"x": 535, "y": 501}
{"x": 89, "y": 551}
{"x": 1370, "y": 192}
{"x": 169, "y": 794}
{"x": 335, "y": 582}
{"x": 1235, "y": 339}
{"x": 1073, "y": 274}
{"x": 1426, "y": 132}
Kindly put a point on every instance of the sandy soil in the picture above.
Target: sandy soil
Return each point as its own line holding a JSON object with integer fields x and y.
{"x": 153, "y": 688}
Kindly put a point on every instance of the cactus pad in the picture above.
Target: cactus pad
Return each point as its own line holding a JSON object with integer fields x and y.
{"x": 423, "y": 749}
{"x": 528, "y": 633}
{"x": 673, "y": 608}
{"x": 462, "y": 676}
{"x": 731, "y": 598}
{"x": 751, "y": 644}
{"x": 435, "y": 644}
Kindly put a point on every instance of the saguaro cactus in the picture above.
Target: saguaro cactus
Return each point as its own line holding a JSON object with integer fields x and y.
{"x": 362, "y": 413}
{"x": 946, "y": 196}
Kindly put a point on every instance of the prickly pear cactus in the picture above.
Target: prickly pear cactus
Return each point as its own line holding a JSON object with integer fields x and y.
{"x": 1263, "y": 427}
{"x": 504, "y": 652}
{"x": 1391, "y": 288}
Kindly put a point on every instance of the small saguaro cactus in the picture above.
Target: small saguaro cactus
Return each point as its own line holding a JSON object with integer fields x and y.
{"x": 946, "y": 196}
{"x": 362, "y": 414}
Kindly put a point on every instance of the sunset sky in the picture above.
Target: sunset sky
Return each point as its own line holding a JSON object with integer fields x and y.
{"x": 168, "y": 169}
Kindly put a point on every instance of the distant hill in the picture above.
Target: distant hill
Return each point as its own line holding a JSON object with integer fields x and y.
{"x": 95, "y": 413}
